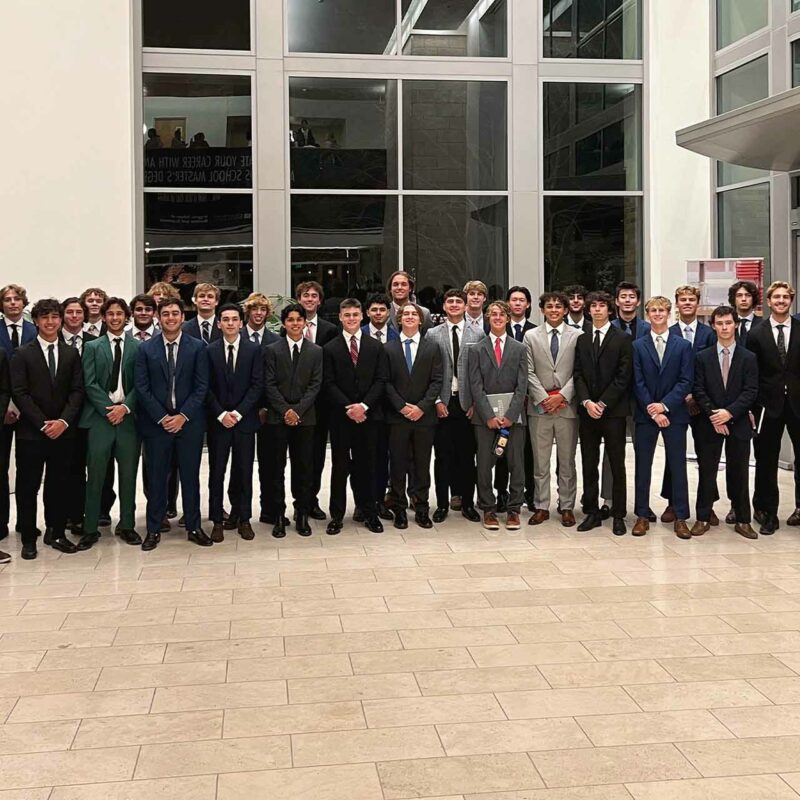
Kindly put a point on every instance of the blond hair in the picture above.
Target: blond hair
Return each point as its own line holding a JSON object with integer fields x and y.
{"x": 502, "y": 305}
{"x": 687, "y": 289}
{"x": 476, "y": 286}
{"x": 257, "y": 299}
{"x": 658, "y": 301}
{"x": 206, "y": 287}
{"x": 167, "y": 289}
{"x": 771, "y": 288}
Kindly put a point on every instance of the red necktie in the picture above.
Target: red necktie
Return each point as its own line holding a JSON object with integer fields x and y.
{"x": 353, "y": 350}
{"x": 498, "y": 353}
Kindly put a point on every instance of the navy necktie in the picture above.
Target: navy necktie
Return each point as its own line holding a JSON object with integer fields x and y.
{"x": 51, "y": 361}
{"x": 554, "y": 345}
{"x": 171, "y": 377}
{"x": 409, "y": 360}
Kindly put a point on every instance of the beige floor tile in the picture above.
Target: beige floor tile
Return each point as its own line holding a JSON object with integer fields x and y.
{"x": 542, "y": 703}
{"x": 652, "y": 727}
{"x": 149, "y": 729}
{"x": 6, "y": 706}
{"x": 162, "y": 675}
{"x": 201, "y": 787}
{"x": 519, "y": 615}
{"x": 420, "y": 573}
{"x": 411, "y": 660}
{"x": 21, "y": 661}
{"x": 750, "y": 643}
{"x": 305, "y": 718}
{"x": 778, "y": 602}
{"x": 704, "y": 607}
{"x": 332, "y": 576}
{"x": 793, "y": 779}
{"x": 517, "y": 655}
{"x": 227, "y": 612}
{"x": 432, "y": 710}
{"x": 748, "y": 589}
{"x": 345, "y": 782}
{"x": 224, "y": 649}
{"x": 352, "y": 687}
{"x": 608, "y": 673}
{"x": 28, "y": 794}
{"x": 179, "y": 599}
{"x": 604, "y": 611}
{"x": 752, "y": 787}
{"x": 459, "y": 774}
{"x": 82, "y": 705}
{"x": 572, "y": 581}
{"x": 783, "y": 720}
{"x": 342, "y": 643}
{"x": 223, "y": 695}
{"x": 456, "y": 585}
{"x": 567, "y": 632}
{"x": 674, "y": 626}
{"x": 652, "y": 647}
{"x": 45, "y": 592}
{"x": 86, "y": 657}
{"x": 67, "y": 605}
{"x": 351, "y": 605}
{"x": 20, "y": 684}
{"x": 187, "y": 632}
{"x": 226, "y": 755}
{"x": 382, "y": 589}
{"x": 574, "y": 567}
{"x": 36, "y": 737}
{"x": 743, "y": 756}
{"x": 460, "y": 559}
{"x": 297, "y": 626}
{"x": 276, "y": 594}
{"x": 475, "y": 681}
{"x": 38, "y": 622}
{"x": 537, "y": 597}
{"x": 632, "y": 594}
{"x": 517, "y": 568}
{"x": 779, "y": 690}
{"x": 117, "y": 619}
{"x": 95, "y": 588}
{"x": 393, "y": 621}
{"x": 474, "y": 738}
{"x": 436, "y": 602}
{"x": 264, "y": 669}
{"x": 766, "y": 622}
{"x": 456, "y": 637}
{"x": 53, "y": 640}
{"x": 725, "y": 667}
{"x": 580, "y": 793}
{"x": 700, "y": 694}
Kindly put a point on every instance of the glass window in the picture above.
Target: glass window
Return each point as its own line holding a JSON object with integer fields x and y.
{"x": 796, "y": 61}
{"x": 739, "y": 18}
{"x": 594, "y": 241}
{"x": 348, "y": 243}
{"x": 197, "y": 131}
{"x": 592, "y": 29}
{"x": 743, "y": 85}
{"x": 343, "y": 133}
{"x": 194, "y": 238}
{"x": 455, "y": 135}
{"x": 733, "y": 173}
{"x": 743, "y": 223}
{"x": 197, "y": 24}
{"x": 592, "y": 136}
{"x": 795, "y": 5}
{"x": 343, "y": 26}
{"x": 448, "y": 240}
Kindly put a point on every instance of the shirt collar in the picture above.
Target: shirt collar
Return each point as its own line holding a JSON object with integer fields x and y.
{"x": 112, "y": 336}
{"x": 373, "y": 330}
{"x": 357, "y": 334}
{"x": 603, "y": 330}
{"x": 414, "y": 338}
{"x": 10, "y": 322}
{"x": 250, "y": 332}
{"x": 460, "y": 325}
{"x": 655, "y": 335}
{"x": 71, "y": 336}
{"x": 44, "y": 344}
{"x": 235, "y": 343}
{"x": 550, "y": 329}
{"x": 291, "y": 342}
{"x": 494, "y": 338}
{"x": 731, "y": 348}
{"x": 786, "y": 323}
{"x": 177, "y": 341}
{"x": 685, "y": 325}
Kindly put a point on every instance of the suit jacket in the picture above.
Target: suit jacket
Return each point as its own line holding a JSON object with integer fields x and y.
{"x": 420, "y": 387}
{"x": 486, "y": 378}
{"x": 704, "y": 335}
{"x": 527, "y": 326}
{"x": 607, "y": 379}
{"x": 543, "y": 375}
{"x": 440, "y": 334}
{"x": 304, "y": 139}
{"x": 287, "y": 386}
{"x": 5, "y": 383}
{"x": 777, "y": 382}
{"x": 326, "y": 331}
{"x": 390, "y": 332}
{"x": 98, "y": 364}
{"x": 86, "y": 337}
{"x": 27, "y": 333}
{"x": 585, "y": 326}
{"x": 152, "y": 385}
{"x": 240, "y": 391}
{"x": 668, "y": 382}
{"x": 192, "y": 328}
{"x": 364, "y": 382}
{"x": 642, "y": 326}
{"x": 740, "y": 394}
{"x": 751, "y": 327}
{"x": 38, "y": 397}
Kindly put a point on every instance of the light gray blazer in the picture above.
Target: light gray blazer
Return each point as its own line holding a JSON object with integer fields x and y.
{"x": 486, "y": 378}
{"x": 543, "y": 375}
{"x": 440, "y": 334}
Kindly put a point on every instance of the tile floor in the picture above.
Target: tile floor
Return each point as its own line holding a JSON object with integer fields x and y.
{"x": 451, "y": 664}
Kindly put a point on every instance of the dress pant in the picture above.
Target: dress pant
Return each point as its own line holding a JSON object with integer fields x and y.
{"x": 666, "y": 483}
{"x": 545, "y": 428}
{"x": 513, "y": 455}
{"x": 767, "y": 449}
{"x": 266, "y": 468}
{"x": 410, "y": 446}
{"x": 709, "y": 446}
{"x": 501, "y": 472}
{"x": 381, "y": 476}
{"x": 610, "y": 431}
{"x": 35, "y": 457}
{"x": 6, "y": 440}
{"x": 353, "y": 454}
{"x": 607, "y": 480}
{"x": 223, "y": 444}
{"x": 298, "y": 441}
{"x": 454, "y": 457}
{"x": 320, "y": 446}
{"x": 675, "y": 445}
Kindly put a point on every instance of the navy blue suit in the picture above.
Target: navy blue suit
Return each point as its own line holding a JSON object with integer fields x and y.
{"x": 642, "y": 327}
{"x": 389, "y": 333}
{"x": 667, "y": 382}
{"x": 27, "y": 333}
{"x": 152, "y": 389}
{"x": 192, "y": 327}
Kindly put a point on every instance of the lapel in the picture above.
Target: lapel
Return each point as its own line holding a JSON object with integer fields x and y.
{"x": 161, "y": 354}
{"x": 794, "y": 336}
{"x": 420, "y": 352}
{"x": 610, "y": 334}
{"x": 736, "y": 363}
{"x": 649, "y": 345}
{"x": 668, "y": 351}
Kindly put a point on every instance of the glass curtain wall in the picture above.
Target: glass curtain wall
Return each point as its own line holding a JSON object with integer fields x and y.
{"x": 592, "y": 29}
{"x": 739, "y": 18}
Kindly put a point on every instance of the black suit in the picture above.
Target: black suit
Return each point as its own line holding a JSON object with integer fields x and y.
{"x": 741, "y": 337}
{"x": 192, "y": 328}
{"x": 353, "y": 444}
{"x": 606, "y": 378}
{"x": 410, "y": 443}
{"x": 39, "y": 398}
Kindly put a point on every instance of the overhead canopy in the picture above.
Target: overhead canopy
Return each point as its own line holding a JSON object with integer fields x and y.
{"x": 761, "y": 135}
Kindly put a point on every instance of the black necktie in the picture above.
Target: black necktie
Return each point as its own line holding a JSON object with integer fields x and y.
{"x": 295, "y": 354}
{"x": 518, "y": 332}
{"x": 117, "y": 365}
{"x": 51, "y": 361}
{"x": 256, "y": 339}
{"x": 206, "y": 332}
{"x": 230, "y": 358}
{"x": 456, "y": 350}
{"x": 596, "y": 344}
{"x": 781, "y": 345}
{"x": 14, "y": 337}
{"x": 171, "y": 377}
{"x": 743, "y": 328}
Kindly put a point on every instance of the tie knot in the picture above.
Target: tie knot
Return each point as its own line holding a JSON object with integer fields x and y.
{"x": 725, "y": 351}
{"x": 353, "y": 339}
{"x": 230, "y": 348}
{"x": 781, "y": 327}
{"x": 688, "y": 329}
{"x": 117, "y": 340}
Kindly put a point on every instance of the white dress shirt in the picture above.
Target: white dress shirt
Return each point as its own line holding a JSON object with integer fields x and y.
{"x": 577, "y": 325}
{"x": 384, "y": 333}
{"x": 730, "y": 349}
{"x": 117, "y": 395}
{"x": 73, "y": 339}
{"x": 143, "y": 335}
{"x": 603, "y": 331}
{"x": 177, "y": 344}
{"x": 291, "y": 343}
{"x": 692, "y": 325}
{"x": 414, "y": 346}
{"x": 501, "y": 339}
{"x": 249, "y": 332}
{"x": 93, "y": 327}
{"x": 10, "y": 325}
{"x": 787, "y": 327}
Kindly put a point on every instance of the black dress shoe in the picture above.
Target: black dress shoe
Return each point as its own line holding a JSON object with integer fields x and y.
{"x": 730, "y": 517}
{"x": 423, "y": 519}
{"x": 652, "y": 518}
{"x": 373, "y": 525}
{"x": 151, "y": 541}
{"x": 605, "y": 512}
{"x": 88, "y": 541}
{"x": 302, "y": 526}
{"x": 103, "y": 522}
{"x": 384, "y": 512}
{"x": 230, "y": 524}
{"x": 590, "y": 522}
{"x": 62, "y": 544}
{"x": 246, "y": 531}
{"x": 5, "y": 558}
{"x": 618, "y": 527}
{"x": 317, "y": 513}
{"x": 769, "y": 525}
{"x": 182, "y": 521}
{"x": 172, "y": 513}
{"x": 217, "y": 532}
{"x": 400, "y": 519}
{"x": 334, "y": 526}
{"x": 470, "y": 513}
{"x": 794, "y": 518}
{"x": 279, "y": 530}
{"x": 271, "y": 519}
{"x": 165, "y": 526}
{"x": 49, "y": 535}
{"x": 128, "y": 536}
{"x": 28, "y": 552}
{"x": 759, "y": 516}
{"x": 358, "y": 515}
{"x": 502, "y": 502}
{"x": 76, "y": 528}
{"x": 440, "y": 515}
{"x": 199, "y": 537}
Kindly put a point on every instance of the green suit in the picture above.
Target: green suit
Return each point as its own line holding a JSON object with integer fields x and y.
{"x": 107, "y": 440}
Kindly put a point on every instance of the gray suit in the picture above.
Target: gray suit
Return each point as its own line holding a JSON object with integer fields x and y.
{"x": 562, "y": 425}
{"x": 486, "y": 378}
{"x": 441, "y": 335}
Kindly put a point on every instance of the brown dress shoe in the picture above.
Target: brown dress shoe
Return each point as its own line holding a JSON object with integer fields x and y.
{"x": 745, "y": 529}
{"x": 246, "y": 531}
{"x": 713, "y": 519}
{"x": 682, "y": 529}
{"x": 512, "y": 521}
{"x": 641, "y": 526}
{"x": 699, "y": 528}
{"x": 567, "y": 519}
{"x": 668, "y": 515}
{"x": 730, "y": 517}
{"x": 217, "y": 534}
{"x": 794, "y": 518}
{"x": 539, "y": 516}
{"x": 490, "y": 521}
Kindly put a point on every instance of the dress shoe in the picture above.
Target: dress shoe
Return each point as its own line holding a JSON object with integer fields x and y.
{"x": 88, "y": 541}
{"x": 128, "y": 536}
{"x": 199, "y": 537}
{"x": 373, "y": 524}
{"x": 422, "y": 518}
{"x": 470, "y": 513}
{"x": 512, "y": 521}
{"x": 279, "y": 530}
{"x": 618, "y": 526}
{"x": 669, "y": 515}
{"x": 62, "y": 544}
{"x": 746, "y": 530}
{"x": 76, "y": 528}
{"x": 334, "y": 526}
{"x": 590, "y": 522}
{"x": 699, "y": 528}
{"x": 440, "y": 515}
{"x": 384, "y": 512}
{"x": 490, "y": 521}
{"x": 567, "y": 519}
{"x": 230, "y": 524}
{"x": 713, "y": 519}
{"x": 605, "y": 511}
{"x": 165, "y": 526}
{"x": 28, "y": 552}
{"x": 5, "y": 558}
{"x": 401, "y": 519}
{"x": 317, "y": 513}
{"x": 682, "y": 529}
{"x": 301, "y": 524}
{"x": 769, "y": 526}
{"x": 151, "y": 541}
{"x": 455, "y": 503}
{"x": 104, "y": 521}
{"x": 271, "y": 519}
{"x": 182, "y": 521}
{"x": 759, "y": 516}
{"x": 358, "y": 515}
{"x": 539, "y": 516}
{"x": 502, "y": 502}
{"x": 218, "y": 532}
{"x": 172, "y": 513}
{"x": 641, "y": 526}
{"x": 246, "y": 530}
{"x": 651, "y": 518}
{"x": 49, "y": 535}
{"x": 730, "y": 517}
{"x": 794, "y": 518}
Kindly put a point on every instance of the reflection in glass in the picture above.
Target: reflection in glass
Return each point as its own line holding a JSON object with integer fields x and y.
{"x": 592, "y": 29}
{"x": 474, "y": 28}
{"x": 743, "y": 85}
{"x": 198, "y": 130}
{"x": 348, "y": 243}
{"x": 733, "y": 173}
{"x": 594, "y": 241}
{"x": 796, "y": 61}
{"x": 196, "y": 238}
{"x": 739, "y": 18}
{"x": 592, "y": 136}
{"x": 743, "y": 223}
{"x": 455, "y": 135}
{"x": 795, "y": 5}
{"x": 343, "y": 26}
{"x": 196, "y": 24}
{"x": 343, "y": 133}
{"x": 450, "y": 240}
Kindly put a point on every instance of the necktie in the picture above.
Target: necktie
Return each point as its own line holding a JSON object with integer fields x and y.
{"x": 518, "y": 332}
{"x": 498, "y": 353}
{"x": 307, "y": 333}
{"x": 93, "y": 329}
{"x": 112, "y": 387}
{"x": 354, "y": 350}
{"x": 171, "y": 377}
{"x": 14, "y": 337}
{"x": 142, "y": 336}
{"x": 627, "y": 327}
{"x": 781, "y": 345}
{"x": 230, "y": 358}
{"x": 409, "y": 360}
{"x": 456, "y": 350}
{"x": 295, "y": 355}
{"x": 554, "y": 345}
{"x": 206, "y": 331}
{"x": 743, "y": 327}
{"x": 255, "y": 338}
{"x": 726, "y": 365}
{"x": 51, "y": 361}
{"x": 596, "y": 344}
{"x": 660, "y": 348}
{"x": 688, "y": 334}
{"x": 379, "y": 335}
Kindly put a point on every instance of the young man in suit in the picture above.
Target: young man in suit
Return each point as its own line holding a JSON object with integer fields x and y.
{"x": 47, "y": 385}
{"x": 474, "y": 318}
{"x": 257, "y": 310}
{"x": 725, "y": 389}
{"x": 5, "y": 398}
{"x": 292, "y": 381}
{"x": 663, "y": 369}
{"x": 400, "y": 288}
{"x": 378, "y": 326}
{"x": 171, "y": 377}
{"x": 235, "y": 387}
{"x": 552, "y": 415}
{"x": 92, "y": 300}
{"x": 498, "y": 364}
{"x": 142, "y": 326}
{"x": 577, "y": 314}
{"x": 603, "y": 374}
{"x": 454, "y": 441}
{"x": 776, "y": 344}
{"x": 745, "y": 297}
{"x": 73, "y": 329}
{"x": 355, "y": 372}
{"x": 414, "y": 382}
{"x": 204, "y": 326}
{"x": 109, "y": 424}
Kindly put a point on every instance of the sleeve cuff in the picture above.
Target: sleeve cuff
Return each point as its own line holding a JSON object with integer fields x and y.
{"x": 237, "y": 415}
{"x": 221, "y": 416}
